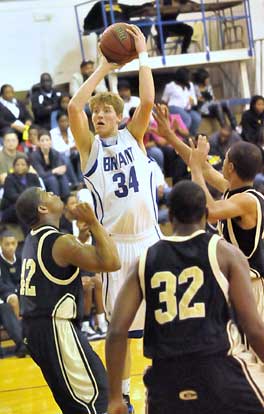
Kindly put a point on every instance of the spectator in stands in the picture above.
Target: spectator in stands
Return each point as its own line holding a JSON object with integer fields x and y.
{"x": 180, "y": 97}
{"x": 63, "y": 103}
{"x": 91, "y": 283}
{"x": 31, "y": 143}
{"x": 13, "y": 113}
{"x": 44, "y": 101}
{"x": 207, "y": 104}
{"x": 86, "y": 70}
{"x": 177, "y": 29}
{"x": 62, "y": 141}
{"x": 50, "y": 166}
{"x": 221, "y": 141}
{"x": 10, "y": 270}
{"x": 13, "y": 327}
{"x": 8, "y": 154}
{"x": 15, "y": 184}
{"x": 130, "y": 101}
{"x": 253, "y": 120}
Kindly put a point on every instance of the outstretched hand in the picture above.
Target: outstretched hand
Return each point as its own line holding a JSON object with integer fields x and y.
{"x": 199, "y": 153}
{"x": 161, "y": 116}
{"x": 139, "y": 38}
{"x": 83, "y": 212}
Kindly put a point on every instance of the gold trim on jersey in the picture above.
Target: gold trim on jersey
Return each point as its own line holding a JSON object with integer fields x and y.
{"x": 141, "y": 272}
{"x": 48, "y": 275}
{"x": 184, "y": 238}
{"x": 38, "y": 230}
{"x": 258, "y": 225}
{"x": 77, "y": 374}
{"x": 212, "y": 255}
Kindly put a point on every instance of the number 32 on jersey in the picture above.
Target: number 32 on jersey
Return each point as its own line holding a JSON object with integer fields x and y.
{"x": 27, "y": 272}
{"x": 169, "y": 295}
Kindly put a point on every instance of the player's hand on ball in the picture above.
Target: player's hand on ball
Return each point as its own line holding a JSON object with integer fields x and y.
{"x": 117, "y": 407}
{"x": 83, "y": 212}
{"x": 139, "y": 38}
{"x": 108, "y": 65}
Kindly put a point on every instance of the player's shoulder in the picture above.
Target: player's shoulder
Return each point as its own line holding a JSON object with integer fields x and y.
{"x": 227, "y": 250}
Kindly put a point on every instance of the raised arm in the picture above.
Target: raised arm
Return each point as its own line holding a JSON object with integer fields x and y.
{"x": 77, "y": 116}
{"x": 141, "y": 117}
{"x": 238, "y": 205}
{"x": 103, "y": 257}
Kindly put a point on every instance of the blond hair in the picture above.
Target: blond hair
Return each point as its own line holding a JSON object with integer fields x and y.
{"x": 107, "y": 98}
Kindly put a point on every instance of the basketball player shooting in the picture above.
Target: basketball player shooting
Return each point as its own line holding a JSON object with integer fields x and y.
{"x": 119, "y": 176}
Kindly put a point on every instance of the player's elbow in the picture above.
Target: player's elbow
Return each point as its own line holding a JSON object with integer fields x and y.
{"x": 73, "y": 107}
{"x": 147, "y": 104}
{"x": 112, "y": 264}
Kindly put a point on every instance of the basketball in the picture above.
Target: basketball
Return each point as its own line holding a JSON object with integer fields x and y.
{"x": 117, "y": 45}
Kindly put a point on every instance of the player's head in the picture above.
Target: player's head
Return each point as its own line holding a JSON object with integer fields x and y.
{"x": 243, "y": 159}
{"x": 36, "y": 206}
{"x": 187, "y": 204}
{"x": 107, "y": 112}
{"x": 8, "y": 244}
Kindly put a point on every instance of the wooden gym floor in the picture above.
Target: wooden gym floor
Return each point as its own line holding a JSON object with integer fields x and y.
{"x": 23, "y": 389}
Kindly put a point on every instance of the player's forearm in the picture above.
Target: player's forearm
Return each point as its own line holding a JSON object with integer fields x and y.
{"x": 106, "y": 249}
{"x": 182, "y": 149}
{"x": 81, "y": 97}
{"x": 115, "y": 353}
{"x": 146, "y": 87}
{"x": 197, "y": 177}
{"x": 215, "y": 178}
{"x": 256, "y": 340}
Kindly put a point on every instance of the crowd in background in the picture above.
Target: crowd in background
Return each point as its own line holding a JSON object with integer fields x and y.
{"x": 38, "y": 149}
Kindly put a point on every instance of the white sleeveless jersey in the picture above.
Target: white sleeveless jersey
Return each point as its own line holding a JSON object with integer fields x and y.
{"x": 123, "y": 185}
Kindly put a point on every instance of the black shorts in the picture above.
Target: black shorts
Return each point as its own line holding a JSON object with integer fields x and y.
{"x": 73, "y": 371}
{"x": 215, "y": 385}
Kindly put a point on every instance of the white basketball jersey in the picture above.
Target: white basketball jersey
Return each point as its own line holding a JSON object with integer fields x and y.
{"x": 123, "y": 186}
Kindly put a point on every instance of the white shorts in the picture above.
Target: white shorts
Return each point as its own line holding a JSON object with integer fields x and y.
{"x": 130, "y": 248}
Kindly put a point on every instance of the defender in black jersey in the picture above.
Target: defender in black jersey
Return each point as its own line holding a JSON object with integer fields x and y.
{"x": 51, "y": 300}
{"x": 189, "y": 282}
{"x": 240, "y": 212}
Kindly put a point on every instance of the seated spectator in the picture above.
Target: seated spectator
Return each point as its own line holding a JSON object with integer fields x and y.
{"x": 13, "y": 113}
{"x": 31, "y": 143}
{"x": 253, "y": 120}
{"x": 10, "y": 270}
{"x": 130, "y": 101}
{"x": 86, "y": 70}
{"x": 50, "y": 166}
{"x": 62, "y": 141}
{"x": 221, "y": 141}
{"x": 91, "y": 283}
{"x": 207, "y": 104}
{"x": 63, "y": 103}
{"x": 181, "y": 99}
{"x": 13, "y": 327}
{"x": 15, "y": 184}
{"x": 8, "y": 154}
{"x": 44, "y": 101}
{"x": 177, "y": 29}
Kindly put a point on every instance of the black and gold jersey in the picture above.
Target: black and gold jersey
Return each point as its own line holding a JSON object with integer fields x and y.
{"x": 250, "y": 241}
{"x": 187, "y": 309}
{"x": 46, "y": 289}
